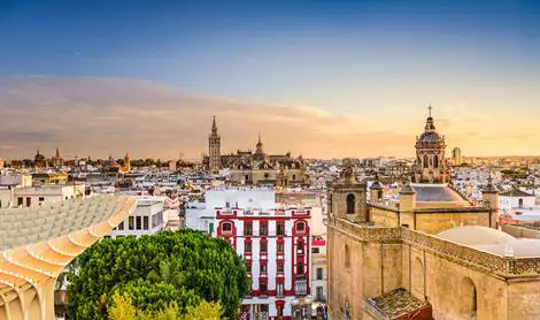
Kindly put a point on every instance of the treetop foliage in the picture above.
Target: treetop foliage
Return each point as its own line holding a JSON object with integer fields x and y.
{"x": 186, "y": 268}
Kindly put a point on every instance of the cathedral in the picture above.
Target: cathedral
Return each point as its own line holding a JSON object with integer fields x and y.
{"x": 258, "y": 167}
{"x": 431, "y": 254}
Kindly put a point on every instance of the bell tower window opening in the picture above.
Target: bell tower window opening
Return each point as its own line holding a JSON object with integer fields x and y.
{"x": 426, "y": 161}
{"x": 436, "y": 161}
{"x": 351, "y": 203}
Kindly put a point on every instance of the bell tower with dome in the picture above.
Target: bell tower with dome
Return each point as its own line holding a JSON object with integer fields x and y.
{"x": 430, "y": 165}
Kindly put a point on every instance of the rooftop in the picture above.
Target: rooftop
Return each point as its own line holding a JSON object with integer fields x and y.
{"x": 397, "y": 302}
{"x": 493, "y": 241}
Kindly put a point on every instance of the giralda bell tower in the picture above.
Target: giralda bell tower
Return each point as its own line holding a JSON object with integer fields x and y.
{"x": 214, "y": 148}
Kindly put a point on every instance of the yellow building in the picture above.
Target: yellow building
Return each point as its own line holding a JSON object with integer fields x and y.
{"x": 36, "y": 244}
{"x": 50, "y": 178}
{"x": 431, "y": 255}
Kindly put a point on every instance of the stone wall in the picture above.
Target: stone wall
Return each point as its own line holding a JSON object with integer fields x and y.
{"x": 436, "y": 222}
{"x": 449, "y": 275}
{"x": 524, "y": 300}
{"x": 382, "y": 217}
{"x": 521, "y": 232}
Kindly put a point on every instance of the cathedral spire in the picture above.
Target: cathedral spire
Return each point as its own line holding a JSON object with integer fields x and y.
{"x": 214, "y": 126}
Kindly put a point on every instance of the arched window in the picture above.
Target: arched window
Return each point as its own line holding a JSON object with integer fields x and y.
{"x": 469, "y": 299}
{"x": 300, "y": 227}
{"x": 436, "y": 161}
{"x": 226, "y": 227}
{"x": 347, "y": 257}
{"x": 426, "y": 161}
{"x": 351, "y": 203}
{"x": 417, "y": 278}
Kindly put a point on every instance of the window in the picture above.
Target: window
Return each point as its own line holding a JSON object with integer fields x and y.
{"x": 436, "y": 161}
{"x": 131, "y": 223}
{"x": 264, "y": 228}
{"x": 121, "y": 226}
{"x": 248, "y": 247}
{"x": 227, "y": 204}
{"x": 300, "y": 287}
{"x": 20, "y": 201}
{"x": 319, "y": 273}
{"x": 300, "y": 227}
{"x": 426, "y": 161}
{"x": 248, "y": 229}
{"x": 264, "y": 289}
{"x": 294, "y": 177}
{"x": 300, "y": 247}
{"x": 315, "y": 250}
{"x": 351, "y": 204}
{"x": 264, "y": 247}
{"x": 266, "y": 175}
{"x": 299, "y": 269}
{"x": 319, "y": 296}
{"x": 520, "y": 202}
{"x": 263, "y": 268}
{"x": 138, "y": 223}
{"x": 28, "y": 201}
{"x": 280, "y": 247}
{"x": 211, "y": 228}
{"x": 41, "y": 199}
{"x": 226, "y": 227}
{"x": 248, "y": 267}
{"x": 280, "y": 228}
{"x": 280, "y": 293}
{"x": 280, "y": 267}
{"x": 145, "y": 223}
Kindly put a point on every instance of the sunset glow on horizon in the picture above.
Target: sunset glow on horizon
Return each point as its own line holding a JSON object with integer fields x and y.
{"x": 322, "y": 79}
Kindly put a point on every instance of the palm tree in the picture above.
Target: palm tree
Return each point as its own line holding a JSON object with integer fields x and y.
{"x": 169, "y": 272}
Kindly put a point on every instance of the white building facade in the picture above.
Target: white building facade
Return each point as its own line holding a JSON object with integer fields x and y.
{"x": 46, "y": 194}
{"x": 202, "y": 215}
{"x": 275, "y": 244}
{"x": 147, "y": 219}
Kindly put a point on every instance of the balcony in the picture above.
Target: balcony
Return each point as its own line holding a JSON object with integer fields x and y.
{"x": 300, "y": 288}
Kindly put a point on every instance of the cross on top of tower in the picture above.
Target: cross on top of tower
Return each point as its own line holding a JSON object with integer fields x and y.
{"x": 430, "y": 108}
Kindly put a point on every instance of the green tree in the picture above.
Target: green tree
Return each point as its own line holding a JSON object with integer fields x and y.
{"x": 185, "y": 267}
{"x": 122, "y": 308}
{"x": 205, "y": 310}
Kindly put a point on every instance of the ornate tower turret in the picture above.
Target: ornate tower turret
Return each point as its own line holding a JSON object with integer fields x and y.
{"x": 127, "y": 162}
{"x": 490, "y": 194}
{"x": 347, "y": 197}
{"x": 259, "y": 152}
{"x": 430, "y": 166}
{"x": 214, "y": 148}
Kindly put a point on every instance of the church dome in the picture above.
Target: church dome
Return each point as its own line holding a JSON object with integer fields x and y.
{"x": 429, "y": 137}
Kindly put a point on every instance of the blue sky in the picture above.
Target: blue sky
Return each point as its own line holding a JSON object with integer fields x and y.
{"x": 372, "y": 58}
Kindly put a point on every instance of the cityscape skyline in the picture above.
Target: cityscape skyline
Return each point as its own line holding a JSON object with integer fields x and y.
{"x": 333, "y": 79}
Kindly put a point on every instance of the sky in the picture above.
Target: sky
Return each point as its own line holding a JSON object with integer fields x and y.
{"x": 318, "y": 78}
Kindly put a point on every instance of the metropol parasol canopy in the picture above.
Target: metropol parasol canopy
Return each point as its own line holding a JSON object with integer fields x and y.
{"x": 37, "y": 243}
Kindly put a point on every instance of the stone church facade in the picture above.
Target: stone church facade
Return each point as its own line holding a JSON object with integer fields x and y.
{"x": 258, "y": 167}
{"x": 431, "y": 255}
